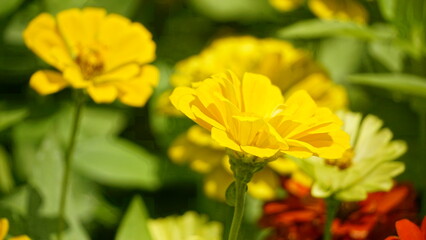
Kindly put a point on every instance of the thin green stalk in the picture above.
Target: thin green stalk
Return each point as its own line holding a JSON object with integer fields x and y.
{"x": 240, "y": 196}
{"x": 79, "y": 103}
{"x": 332, "y": 206}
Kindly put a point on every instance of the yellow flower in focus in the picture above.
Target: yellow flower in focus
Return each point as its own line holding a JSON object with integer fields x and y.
{"x": 288, "y": 68}
{"x": 4, "y": 229}
{"x": 190, "y": 226}
{"x": 105, "y": 54}
{"x": 368, "y": 167}
{"x": 250, "y": 116}
{"x": 286, "y": 5}
{"x": 344, "y": 10}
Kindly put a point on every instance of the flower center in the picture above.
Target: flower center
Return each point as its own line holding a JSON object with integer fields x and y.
{"x": 344, "y": 162}
{"x": 90, "y": 61}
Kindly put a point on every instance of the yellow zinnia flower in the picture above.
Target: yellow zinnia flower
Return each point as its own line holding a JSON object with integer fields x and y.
{"x": 4, "y": 229}
{"x": 368, "y": 167}
{"x": 190, "y": 226}
{"x": 344, "y": 10}
{"x": 286, "y": 5}
{"x": 250, "y": 116}
{"x": 105, "y": 54}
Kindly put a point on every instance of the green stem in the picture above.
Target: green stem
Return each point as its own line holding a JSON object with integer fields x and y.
{"x": 240, "y": 195}
{"x": 79, "y": 103}
{"x": 332, "y": 206}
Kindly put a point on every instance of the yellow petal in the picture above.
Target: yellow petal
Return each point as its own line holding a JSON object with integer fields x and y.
{"x": 42, "y": 37}
{"x": 136, "y": 92}
{"x": 74, "y": 76}
{"x": 223, "y": 139}
{"x": 286, "y": 5}
{"x": 47, "y": 82}
{"x": 4, "y": 228}
{"x": 126, "y": 42}
{"x": 23, "y": 237}
{"x": 102, "y": 93}
{"x": 345, "y": 10}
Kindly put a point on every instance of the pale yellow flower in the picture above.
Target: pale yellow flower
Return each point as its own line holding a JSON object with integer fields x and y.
{"x": 344, "y": 10}
{"x": 4, "y": 229}
{"x": 368, "y": 167}
{"x": 250, "y": 116}
{"x": 190, "y": 226}
{"x": 105, "y": 54}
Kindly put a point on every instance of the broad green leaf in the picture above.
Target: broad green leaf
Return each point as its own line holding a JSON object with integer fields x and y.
{"x": 7, "y": 6}
{"x": 6, "y": 180}
{"x": 13, "y": 32}
{"x": 12, "y": 116}
{"x": 117, "y": 162}
{"x": 318, "y": 28}
{"x": 134, "y": 225}
{"x": 235, "y": 10}
{"x": 388, "y": 8}
{"x": 387, "y": 53}
{"x": 341, "y": 56}
{"x": 404, "y": 83}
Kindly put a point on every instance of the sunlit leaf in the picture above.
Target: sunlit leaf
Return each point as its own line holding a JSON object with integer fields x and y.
{"x": 403, "y": 83}
{"x": 117, "y": 162}
{"x": 134, "y": 224}
{"x": 325, "y": 28}
{"x": 10, "y": 117}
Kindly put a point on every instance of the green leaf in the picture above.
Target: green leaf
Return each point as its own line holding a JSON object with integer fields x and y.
{"x": 388, "y": 8}
{"x": 341, "y": 56}
{"x": 6, "y": 180}
{"x": 318, "y": 28}
{"x": 235, "y": 10}
{"x": 12, "y": 116}
{"x": 134, "y": 225}
{"x": 18, "y": 22}
{"x": 117, "y": 162}
{"x": 404, "y": 83}
{"x": 7, "y": 6}
{"x": 387, "y": 53}
{"x": 123, "y": 7}
{"x": 230, "y": 194}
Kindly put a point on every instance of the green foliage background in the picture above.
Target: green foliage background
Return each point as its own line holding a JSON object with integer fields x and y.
{"x": 121, "y": 173}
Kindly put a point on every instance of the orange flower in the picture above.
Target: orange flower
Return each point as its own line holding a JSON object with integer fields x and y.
{"x": 409, "y": 231}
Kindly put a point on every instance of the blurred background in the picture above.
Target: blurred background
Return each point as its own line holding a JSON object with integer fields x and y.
{"x": 377, "y": 51}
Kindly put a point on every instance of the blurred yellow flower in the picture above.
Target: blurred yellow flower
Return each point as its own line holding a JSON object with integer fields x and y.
{"x": 288, "y": 68}
{"x": 190, "y": 226}
{"x": 105, "y": 54}
{"x": 286, "y": 5}
{"x": 4, "y": 229}
{"x": 367, "y": 167}
{"x": 250, "y": 116}
{"x": 343, "y": 10}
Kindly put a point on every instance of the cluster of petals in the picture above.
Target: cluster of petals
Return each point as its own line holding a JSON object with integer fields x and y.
{"x": 301, "y": 216}
{"x": 106, "y": 54}
{"x": 250, "y": 116}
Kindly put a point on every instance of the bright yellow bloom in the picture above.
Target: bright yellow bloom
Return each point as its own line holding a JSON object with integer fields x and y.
{"x": 344, "y": 10}
{"x": 4, "y": 229}
{"x": 250, "y": 116}
{"x": 105, "y": 54}
{"x": 286, "y": 5}
{"x": 367, "y": 167}
{"x": 288, "y": 68}
{"x": 190, "y": 226}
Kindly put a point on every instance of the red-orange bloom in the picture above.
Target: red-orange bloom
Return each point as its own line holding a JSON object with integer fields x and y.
{"x": 301, "y": 217}
{"x": 407, "y": 230}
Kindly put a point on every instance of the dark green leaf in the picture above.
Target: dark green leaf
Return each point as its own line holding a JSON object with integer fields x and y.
{"x": 7, "y": 6}
{"x": 10, "y": 117}
{"x": 6, "y": 180}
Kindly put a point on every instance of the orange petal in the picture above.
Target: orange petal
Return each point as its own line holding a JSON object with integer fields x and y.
{"x": 408, "y": 230}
